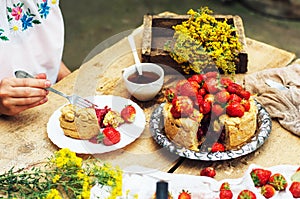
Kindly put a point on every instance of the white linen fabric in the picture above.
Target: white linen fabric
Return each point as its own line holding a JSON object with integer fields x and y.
{"x": 31, "y": 37}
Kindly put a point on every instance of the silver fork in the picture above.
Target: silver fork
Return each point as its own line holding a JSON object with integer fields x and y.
{"x": 73, "y": 99}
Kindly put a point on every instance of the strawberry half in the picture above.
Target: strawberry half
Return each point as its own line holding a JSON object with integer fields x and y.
{"x": 111, "y": 136}
{"x": 128, "y": 113}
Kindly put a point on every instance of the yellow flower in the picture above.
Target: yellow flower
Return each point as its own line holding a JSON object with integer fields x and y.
{"x": 56, "y": 178}
{"x": 53, "y": 194}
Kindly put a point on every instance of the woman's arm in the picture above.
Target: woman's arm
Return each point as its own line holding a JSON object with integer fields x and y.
{"x": 63, "y": 72}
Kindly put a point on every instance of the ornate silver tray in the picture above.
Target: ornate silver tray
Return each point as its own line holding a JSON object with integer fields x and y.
{"x": 264, "y": 127}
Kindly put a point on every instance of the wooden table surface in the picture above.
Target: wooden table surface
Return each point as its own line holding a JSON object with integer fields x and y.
{"x": 24, "y": 140}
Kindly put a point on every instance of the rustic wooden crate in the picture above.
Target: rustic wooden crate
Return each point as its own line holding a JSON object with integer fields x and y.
{"x": 158, "y": 30}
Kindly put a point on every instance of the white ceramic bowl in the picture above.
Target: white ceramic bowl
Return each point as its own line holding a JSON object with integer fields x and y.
{"x": 144, "y": 92}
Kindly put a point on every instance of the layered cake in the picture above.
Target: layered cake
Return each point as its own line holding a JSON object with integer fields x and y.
{"x": 206, "y": 109}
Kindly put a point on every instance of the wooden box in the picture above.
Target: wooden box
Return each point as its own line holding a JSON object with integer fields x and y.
{"x": 158, "y": 30}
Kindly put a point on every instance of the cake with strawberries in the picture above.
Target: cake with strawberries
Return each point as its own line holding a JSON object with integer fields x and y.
{"x": 207, "y": 112}
{"x": 79, "y": 123}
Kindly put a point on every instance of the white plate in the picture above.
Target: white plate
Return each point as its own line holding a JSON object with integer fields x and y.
{"x": 129, "y": 132}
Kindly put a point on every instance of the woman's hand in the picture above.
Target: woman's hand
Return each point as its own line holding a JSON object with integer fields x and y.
{"x": 19, "y": 94}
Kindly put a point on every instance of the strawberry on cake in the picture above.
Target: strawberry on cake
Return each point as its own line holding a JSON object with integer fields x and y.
{"x": 206, "y": 111}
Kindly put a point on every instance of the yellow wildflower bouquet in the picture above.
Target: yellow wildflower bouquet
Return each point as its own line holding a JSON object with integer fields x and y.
{"x": 203, "y": 42}
{"x": 64, "y": 176}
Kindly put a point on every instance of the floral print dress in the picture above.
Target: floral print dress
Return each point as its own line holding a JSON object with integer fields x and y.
{"x": 31, "y": 37}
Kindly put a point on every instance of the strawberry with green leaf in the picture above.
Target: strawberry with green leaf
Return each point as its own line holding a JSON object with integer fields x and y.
{"x": 225, "y": 191}
{"x": 278, "y": 181}
{"x": 260, "y": 176}
{"x": 246, "y": 194}
{"x": 268, "y": 191}
{"x": 184, "y": 195}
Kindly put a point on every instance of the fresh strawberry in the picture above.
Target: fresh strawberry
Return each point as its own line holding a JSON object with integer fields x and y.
{"x": 235, "y": 98}
{"x": 211, "y": 74}
{"x": 225, "y": 81}
{"x": 225, "y": 194}
{"x": 298, "y": 169}
{"x": 246, "y": 104}
{"x": 205, "y": 107}
{"x": 268, "y": 191}
{"x": 184, "y": 195}
{"x": 217, "y": 110}
{"x": 222, "y": 97}
{"x": 234, "y": 88}
{"x": 260, "y": 176}
{"x": 235, "y": 109}
{"x": 211, "y": 85}
{"x": 208, "y": 171}
{"x": 182, "y": 106}
{"x": 199, "y": 100}
{"x": 128, "y": 113}
{"x": 189, "y": 88}
{"x": 111, "y": 136}
{"x": 244, "y": 94}
{"x": 198, "y": 78}
{"x": 278, "y": 181}
{"x": 170, "y": 94}
{"x": 209, "y": 98}
{"x": 225, "y": 186}
{"x": 217, "y": 147}
{"x": 246, "y": 194}
{"x": 202, "y": 91}
{"x": 295, "y": 189}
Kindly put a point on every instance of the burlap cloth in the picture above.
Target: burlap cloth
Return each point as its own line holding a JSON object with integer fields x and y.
{"x": 282, "y": 105}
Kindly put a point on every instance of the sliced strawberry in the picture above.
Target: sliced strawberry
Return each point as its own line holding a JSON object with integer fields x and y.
{"x": 260, "y": 176}
{"x": 235, "y": 109}
{"x": 111, "y": 136}
{"x": 278, "y": 181}
{"x": 208, "y": 171}
{"x": 268, "y": 191}
{"x": 128, "y": 113}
